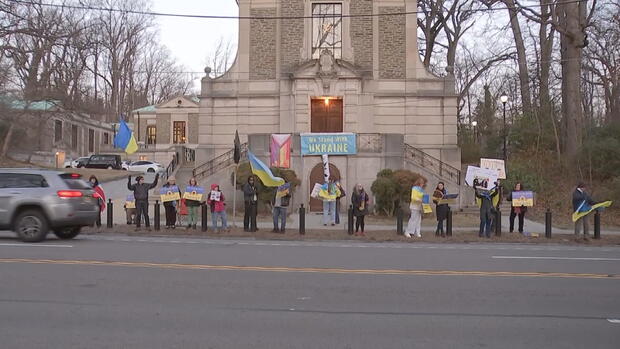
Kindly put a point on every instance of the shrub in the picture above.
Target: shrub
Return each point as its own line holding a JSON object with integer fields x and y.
{"x": 265, "y": 194}
{"x": 392, "y": 189}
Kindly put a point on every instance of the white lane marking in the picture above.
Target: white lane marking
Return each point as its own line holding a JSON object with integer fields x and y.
{"x": 614, "y": 321}
{"x": 36, "y": 245}
{"x": 558, "y": 258}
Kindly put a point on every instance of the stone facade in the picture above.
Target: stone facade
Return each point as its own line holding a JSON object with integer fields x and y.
{"x": 263, "y": 44}
{"x": 163, "y": 129}
{"x": 192, "y": 128}
{"x": 291, "y": 34}
{"x": 392, "y": 51}
{"x": 362, "y": 34}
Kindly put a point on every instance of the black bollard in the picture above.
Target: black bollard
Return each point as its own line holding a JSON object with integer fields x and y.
{"x": 203, "y": 216}
{"x": 498, "y": 223}
{"x": 110, "y": 214}
{"x": 399, "y": 221}
{"x": 156, "y": 215}
{"x": 350, "y": 222}
{"x": 548, "y": 224}
{"x": 302, "y": 220}
{"x": 449, "y": 223}
{"x": 597, "y": 225}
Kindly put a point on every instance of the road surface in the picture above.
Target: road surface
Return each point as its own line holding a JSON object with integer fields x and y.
{"x": 134, "y": 292}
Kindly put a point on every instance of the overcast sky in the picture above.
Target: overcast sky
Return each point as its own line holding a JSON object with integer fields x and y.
{"x": 191, "y": 40}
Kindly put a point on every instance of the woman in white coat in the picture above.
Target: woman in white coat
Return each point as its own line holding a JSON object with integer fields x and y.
{"x": 415, "y": 221}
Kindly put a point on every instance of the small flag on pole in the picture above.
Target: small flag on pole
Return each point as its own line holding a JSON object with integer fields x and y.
{"x": 124, "y": 139}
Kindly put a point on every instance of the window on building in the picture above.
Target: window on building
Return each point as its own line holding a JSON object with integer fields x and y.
{"x": 178, "y": 132}
{"x": 91, "y": 141}
{"x": 106, "y": 138}
{"x": 151, "y": 134}
{"x": 74, "y": 137}
{"x": 57, "y": 131}
{"x": 327, "y": 29}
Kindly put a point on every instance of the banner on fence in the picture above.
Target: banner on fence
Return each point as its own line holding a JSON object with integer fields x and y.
{"x": 328, "y": 143}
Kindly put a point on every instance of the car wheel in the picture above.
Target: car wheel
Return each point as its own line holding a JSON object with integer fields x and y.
{"x": 67, "y": 233}
{"x": 124, "y": 169}
{"x": 150, "y": 170}
{"x": 67, "y": 166}
{"x": 31, "y": 226}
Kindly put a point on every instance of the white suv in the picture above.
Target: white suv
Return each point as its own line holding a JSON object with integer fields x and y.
{"x": 146, "y": 166}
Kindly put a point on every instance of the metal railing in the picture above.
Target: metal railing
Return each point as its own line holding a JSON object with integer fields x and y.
{"x": 219, "y": 163}
{"x": 432, "y": 164}
{"x": 171, "y": 166}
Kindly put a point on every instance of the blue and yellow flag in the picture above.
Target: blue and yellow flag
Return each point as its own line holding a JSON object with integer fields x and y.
{"x": 263, "y": 172}
{"x": 329, "y": 192}
{"x": 417, "y": 194}
{"x": 584, "y": 209}
{"x": 124, "y": 139}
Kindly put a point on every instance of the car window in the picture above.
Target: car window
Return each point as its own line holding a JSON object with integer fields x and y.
{"x": 138, "y": 163}
{"x": 74, "y": 181}
{"x": 20, "y": 180}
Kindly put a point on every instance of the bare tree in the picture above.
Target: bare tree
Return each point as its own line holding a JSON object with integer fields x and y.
{"x": 220, "y": 59}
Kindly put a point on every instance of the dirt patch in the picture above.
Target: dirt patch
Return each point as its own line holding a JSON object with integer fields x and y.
{"x": 375, "y": 236}
{"x": 101, "y": 174}
{"x": 10, "y": 163}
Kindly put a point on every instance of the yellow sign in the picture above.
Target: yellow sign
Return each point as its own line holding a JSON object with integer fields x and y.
{"x": 170, "y": 196}
{"x": 192, "y": 196}
{"x": 427, "y": 208}
{"x": 130, "y": 204}
{"x": 522, "y": 198}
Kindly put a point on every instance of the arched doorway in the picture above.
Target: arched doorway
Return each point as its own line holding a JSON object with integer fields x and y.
{"x": 316, "y": 176}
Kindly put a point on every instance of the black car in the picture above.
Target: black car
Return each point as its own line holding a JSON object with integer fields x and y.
{"x": 104, "y": 161}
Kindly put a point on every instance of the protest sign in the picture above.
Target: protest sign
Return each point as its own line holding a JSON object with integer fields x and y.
{"x": 169, "y": 193}
{"x": 130, "y": 202}
{"x": 481, "y": 178}
{"x": 522, "y": 198}
{"x": 494, "y": 164}
{"x": 193, "y": 193}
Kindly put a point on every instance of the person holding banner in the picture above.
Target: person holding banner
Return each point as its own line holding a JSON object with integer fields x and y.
{"x": 487, "y": 201}
{"x": 250, "y": 197}
{"x": 441, "y": 208}
{"x": 94, "y": 182}
{"x": 517, "y": 211}
{"x": 581, "y": 199}
{"x": 280, "y": 202}
{"x": 415, "y": 220}
{"x": 192, "y": 204}
{"x": 141, "y": 195}
{"x": 329, "y": 193}
{"x": 218, "y": 207}
{"x": 171, "y": 206}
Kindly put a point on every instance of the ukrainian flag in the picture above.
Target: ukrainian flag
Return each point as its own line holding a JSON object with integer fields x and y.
{"x": 124, "y": 139}
{"x": 584, "y": 209}
{"x": 263, "y": 172}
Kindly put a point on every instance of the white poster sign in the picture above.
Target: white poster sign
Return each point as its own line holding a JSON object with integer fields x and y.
{"x": 494, "y": 164}
{"x": 482, "y": 178}
{"x": 316, "y": 190}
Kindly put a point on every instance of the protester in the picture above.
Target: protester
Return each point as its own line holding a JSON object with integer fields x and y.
{"x": 171, "y": 206}
{"x": 192, "y": 207}
{"x": 516, "y": 211}
{"x": 581, "y": 197}
{"x": 342, "y": 194}
{"x": 250, "y": 197}
{"x": 414, "y": 225}
{"x": 359, "y": 200}
{"x": 141, "y": 195}
{"x": 486, "y": 201}
{"x": 281, "y": 200}
{"x": 94, "y": 182}
{"x": 329, "y": 193}
{"x": 218, "y": 207}
{"x": 441, "y": 209}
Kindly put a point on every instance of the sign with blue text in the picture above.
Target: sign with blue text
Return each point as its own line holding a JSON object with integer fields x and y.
{"x": 328, "y": 143}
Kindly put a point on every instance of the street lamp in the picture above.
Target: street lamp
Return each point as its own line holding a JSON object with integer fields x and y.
{"x": 504, "y": 99}
{"x": 474, "y": 124}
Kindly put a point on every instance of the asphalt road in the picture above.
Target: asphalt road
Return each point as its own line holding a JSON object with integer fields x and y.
{"x": 124, "y": 292}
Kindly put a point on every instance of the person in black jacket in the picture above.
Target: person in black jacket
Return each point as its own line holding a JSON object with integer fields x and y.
{"x": 141, "y": 195}
{"x": 581, "y": 197}
{"x": 487, "y": 209}
{"x": 517, "y": 211}
{"x": 441, "y": 209}
{"x": 359, "y": 200}
{"x": 250, "y": 197}
{"x": 171, "y": 206}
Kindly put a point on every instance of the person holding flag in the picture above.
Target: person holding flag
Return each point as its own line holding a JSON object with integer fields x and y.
{"x": 583, "y": 205}
{"x": 281, "y": 201}
{"x": 414, "y": 225}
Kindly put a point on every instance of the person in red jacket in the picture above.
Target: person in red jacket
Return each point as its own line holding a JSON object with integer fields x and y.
{"x": 218, "y": 207}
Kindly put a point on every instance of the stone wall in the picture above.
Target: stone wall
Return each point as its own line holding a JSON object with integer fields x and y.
{"x": 392, "y": 43}
{"x": 163, "y": 129}
{"x": 263, "y": 44}
{"x": 291, "y": 34}
{"x": 362, "y": 34}
{"x": 192, "y": 128}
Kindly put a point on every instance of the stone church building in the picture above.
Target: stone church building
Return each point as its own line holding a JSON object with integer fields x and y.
{"x": 329, "y": 70}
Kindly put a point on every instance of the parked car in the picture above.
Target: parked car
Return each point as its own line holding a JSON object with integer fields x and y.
{"x": 33, "y": 201}
{"x": 146, "y": 166}
{"x": 77, "y": 163}
{"x": 125, "y": 165}
{"x": 111, "y": 162}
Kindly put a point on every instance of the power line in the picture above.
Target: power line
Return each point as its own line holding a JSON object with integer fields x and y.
{"x": 185, "y": 15}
